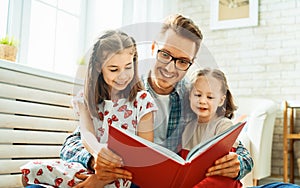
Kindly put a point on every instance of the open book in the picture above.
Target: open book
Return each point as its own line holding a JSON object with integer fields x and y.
{"x": 155, "y": 166}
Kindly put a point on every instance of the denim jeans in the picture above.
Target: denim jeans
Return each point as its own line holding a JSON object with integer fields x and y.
{"x": 277, "y": 185}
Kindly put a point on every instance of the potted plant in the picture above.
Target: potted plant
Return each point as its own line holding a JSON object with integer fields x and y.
{"x": 8, "y": 48}
{"x": 81, "y": 68}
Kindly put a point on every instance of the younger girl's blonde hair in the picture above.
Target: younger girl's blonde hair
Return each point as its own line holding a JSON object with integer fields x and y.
{"x": 228, "y": 107}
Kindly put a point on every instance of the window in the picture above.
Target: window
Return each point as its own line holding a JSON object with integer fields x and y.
{"x": 3, "y": 17}
{"x": 54, "y": 35}
{"x": 50, "y": 33}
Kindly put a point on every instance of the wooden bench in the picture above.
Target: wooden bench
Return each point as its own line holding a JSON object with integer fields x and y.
{"x": 35, "y": 117}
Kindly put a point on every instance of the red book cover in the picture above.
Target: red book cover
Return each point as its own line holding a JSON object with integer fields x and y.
{"x": 155, "y": 166}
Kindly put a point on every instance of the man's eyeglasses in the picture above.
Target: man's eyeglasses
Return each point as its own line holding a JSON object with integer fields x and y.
{"x": 180, "y": 63}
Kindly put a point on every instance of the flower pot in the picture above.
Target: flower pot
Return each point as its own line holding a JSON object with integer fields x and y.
{"x": 81, "y": 71}
{"x": 8, "y": 52}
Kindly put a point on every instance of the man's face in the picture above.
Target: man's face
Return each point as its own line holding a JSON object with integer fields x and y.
{"x": 165, "y": 76}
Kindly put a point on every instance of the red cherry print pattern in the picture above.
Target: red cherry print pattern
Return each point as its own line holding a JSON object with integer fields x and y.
{"x": 134, "y": 123}
{"x": 101, "y": 116}
{"x": 117, "y": 183}
{"x": 37, "y": 162}
{"x": 122, "y": 108}
{"x": 149, "y": 105}
{"x": 127, "y": 113}
{"x": 101, "y": 130}
{"x": 36, "y": 181}
{"x": 50, "y": 168}
{"x": 124, "y": 126}
{"x": 125, "y": 182}
{"x": 81, "y": 171}
{"x": 143, "y": 96}
{"x": 135, "y": 103}
{"x": 71, "y": 183}
{"x": 114, "y": 118}
{"x": 39, "y": 172}
{"x": 58, "y": 181}
{"x": 25, "y": 171}
{"x": 26, "y": 179}
{"x": 106, "y": 112}
{"x": 109, "y": 121}
{"x": 115, "y": 101}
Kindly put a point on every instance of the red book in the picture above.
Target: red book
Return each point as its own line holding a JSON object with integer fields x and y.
{"x": 155, "y": 166}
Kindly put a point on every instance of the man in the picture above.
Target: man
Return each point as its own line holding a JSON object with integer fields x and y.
{"x": 175, "y": 50}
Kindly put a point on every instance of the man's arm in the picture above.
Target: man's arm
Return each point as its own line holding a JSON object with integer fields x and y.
{"x": 233, "y": 165}
{"x": 74, "y": 151}
{"x": 246, "y": 161}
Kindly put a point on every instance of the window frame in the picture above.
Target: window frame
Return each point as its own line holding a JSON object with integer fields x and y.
{"x": 18, "y": 25}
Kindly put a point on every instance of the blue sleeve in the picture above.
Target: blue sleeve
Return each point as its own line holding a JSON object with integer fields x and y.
{"x": 74, "y": 151}
{"x": 246, "y": 161}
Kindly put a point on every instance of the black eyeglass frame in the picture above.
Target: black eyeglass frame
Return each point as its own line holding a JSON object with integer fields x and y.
{"x": 174, "y": 59}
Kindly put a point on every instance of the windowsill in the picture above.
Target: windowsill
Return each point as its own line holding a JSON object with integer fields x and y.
{"x": 24, "y": 68}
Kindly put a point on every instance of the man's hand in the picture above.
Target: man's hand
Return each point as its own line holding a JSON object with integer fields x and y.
{"x": 228, "y": 166}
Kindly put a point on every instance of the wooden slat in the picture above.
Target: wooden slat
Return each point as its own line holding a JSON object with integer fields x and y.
{"x": 17, "y": 67}
{"x": 11, "y": 181}
{"x": 17, "y": 107}
{"x": 27, "y": 122}
{"x": 13, "y": 166}
{"x": 28, "y": 80}
{"x": 31, "y": 137}
{"x": 28, "y": 94}
{"x": 28, "y": 151}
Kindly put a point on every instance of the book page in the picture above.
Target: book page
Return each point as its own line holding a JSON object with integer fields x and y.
{"x": 200, "y": 148}
{"x": 159, "y": 149}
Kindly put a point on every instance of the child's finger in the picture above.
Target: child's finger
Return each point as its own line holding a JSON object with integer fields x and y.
{"x": 109, "y": 158}
{"x": 81, "y": 176}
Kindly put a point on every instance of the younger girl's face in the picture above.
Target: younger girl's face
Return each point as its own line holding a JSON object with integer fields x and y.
{"x": 118, "y": 70}
{"x": 206, "y": 97}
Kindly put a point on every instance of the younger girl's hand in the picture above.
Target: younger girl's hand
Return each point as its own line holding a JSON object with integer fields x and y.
{"x": 108, "y": 166}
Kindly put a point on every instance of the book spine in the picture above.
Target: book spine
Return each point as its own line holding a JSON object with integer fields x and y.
{"x": 180, "y": 178}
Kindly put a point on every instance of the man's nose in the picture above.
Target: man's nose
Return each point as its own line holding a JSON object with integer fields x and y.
{"x": 171, "y": 66}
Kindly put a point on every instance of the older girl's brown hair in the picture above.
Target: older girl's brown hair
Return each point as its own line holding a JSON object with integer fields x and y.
{"x": 228, "y": 107}
{"x": 96, "y": 89}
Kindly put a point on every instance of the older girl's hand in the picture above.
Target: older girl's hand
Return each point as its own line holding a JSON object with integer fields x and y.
{"x": 108, "y": 166}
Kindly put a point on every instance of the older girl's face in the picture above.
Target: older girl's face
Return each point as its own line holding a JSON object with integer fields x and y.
{"x": 206, "y": 97}
{"x": 118, "y": 70}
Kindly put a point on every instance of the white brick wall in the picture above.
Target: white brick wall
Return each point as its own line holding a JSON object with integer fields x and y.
{"x": 263, "y": 60}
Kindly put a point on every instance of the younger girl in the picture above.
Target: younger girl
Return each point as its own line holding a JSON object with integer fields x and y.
{"x": 212, "y": 103}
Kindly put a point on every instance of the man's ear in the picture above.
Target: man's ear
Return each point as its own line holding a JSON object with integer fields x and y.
{"x": 153, "y": 47}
